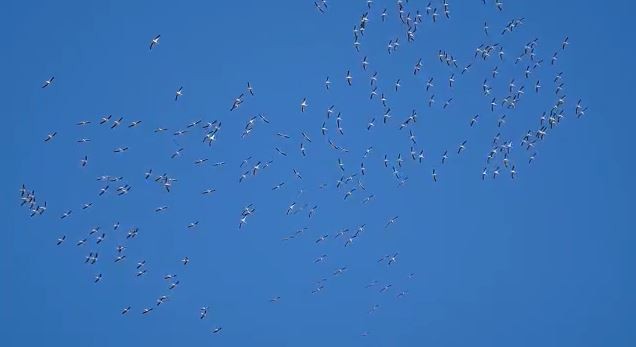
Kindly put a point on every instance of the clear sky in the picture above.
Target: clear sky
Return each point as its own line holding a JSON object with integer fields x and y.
{"x": 546, "y": 259}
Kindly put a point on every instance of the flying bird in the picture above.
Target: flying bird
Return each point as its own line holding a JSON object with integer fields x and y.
{"x": 154, "y": 42}
{"x": 48, "y": 82}
{"x": 178, "y": 93}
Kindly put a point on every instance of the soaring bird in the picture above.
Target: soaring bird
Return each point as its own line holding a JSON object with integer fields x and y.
{"x": 48, "y": 82}
{"x": 178, "y": 93}
{"x": 154, "y": 42}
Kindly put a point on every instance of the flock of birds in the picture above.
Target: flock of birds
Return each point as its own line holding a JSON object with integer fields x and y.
{"x": 501, "y": 96}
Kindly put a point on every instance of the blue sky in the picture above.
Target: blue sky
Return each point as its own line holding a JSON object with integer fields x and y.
{"x": 545, "y": 259}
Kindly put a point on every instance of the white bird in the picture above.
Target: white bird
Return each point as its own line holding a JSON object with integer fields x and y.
{"x": 474, "y": 120}
{"x": 303, "y": 105}
{"x": 161, "y": 299}
{"x": 134, "y": 124}
{"x": 565, "y": 42}
{"x": 208, "y": 191}
{"x": 48, "y": 82}
{"x": 176, "y": 153}
{"x": 173, "y": 285}
{"x": 154, "y": 42}
{"x": 278, "y": 186}
{"x": 392, "y": 259}
{"x": 320, "y": 258}
{"x": 50, "y": 136}
{"x": 84, "y": 161}
{"x": 117, "y": 122}
{"x": 340, "y": 271}
{"x": 444, "y": 156}
{"x": 462, "y": 147}
{"x": 66, "y": 214}
{"x": 178, "y": 93}
{"x": 321, "y": 238}
{"x": 105, "y": 119}
{"x": 391, "y": 222}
